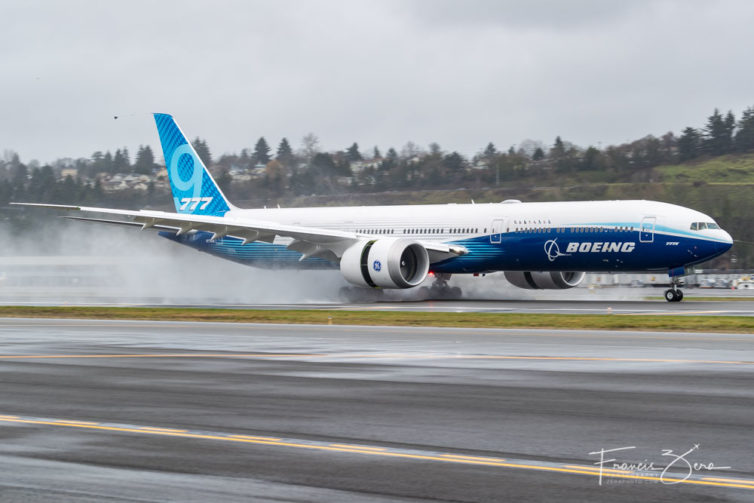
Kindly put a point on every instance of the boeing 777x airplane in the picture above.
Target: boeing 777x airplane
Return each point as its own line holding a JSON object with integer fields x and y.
{"x": 537, "y": 245}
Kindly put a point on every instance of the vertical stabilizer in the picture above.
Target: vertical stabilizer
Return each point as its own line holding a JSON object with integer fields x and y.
{"x": 194, "y": 190}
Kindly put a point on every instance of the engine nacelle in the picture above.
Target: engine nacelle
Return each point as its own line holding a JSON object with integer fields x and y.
{"x": 386, "y": 263}
{"x": 544, "y": 280}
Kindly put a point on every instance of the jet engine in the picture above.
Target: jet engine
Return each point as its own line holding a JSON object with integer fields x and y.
{"x": 386, "y": 263}
{"x": 544, "y": 280}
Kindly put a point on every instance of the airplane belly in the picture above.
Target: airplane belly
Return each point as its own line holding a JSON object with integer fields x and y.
{"x": 258, "y": 254}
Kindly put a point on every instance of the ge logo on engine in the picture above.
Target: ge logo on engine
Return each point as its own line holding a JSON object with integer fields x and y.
{"x": 377, "y": 265}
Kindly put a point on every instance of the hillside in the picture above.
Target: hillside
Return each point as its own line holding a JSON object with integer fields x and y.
{"x": 722, "y": 187}
{"x": 727, "y": 169}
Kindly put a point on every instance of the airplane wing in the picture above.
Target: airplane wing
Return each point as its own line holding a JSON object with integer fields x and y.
{"x": 309, "y": 241}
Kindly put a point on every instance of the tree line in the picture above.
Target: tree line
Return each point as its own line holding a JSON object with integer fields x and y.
{"x": 287, "y": 172}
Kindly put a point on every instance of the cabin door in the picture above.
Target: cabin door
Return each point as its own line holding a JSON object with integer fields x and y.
{"x": 647, "y": 231}
{"x": 496, "y": 231}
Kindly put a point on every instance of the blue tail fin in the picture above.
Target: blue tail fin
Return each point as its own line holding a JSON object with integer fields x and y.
{"x": 194, "y": 190}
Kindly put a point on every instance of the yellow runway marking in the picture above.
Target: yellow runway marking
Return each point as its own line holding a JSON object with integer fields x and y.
{"x": 386, "y": 452}
{"x": 253, "y": 437}
{"x": 597, "y": 469}
{"x": 392, "y": 356}
{"x": 365, "y": 447}
{"x": 472, "y": 458}
{"x": 161, "y": 430}
{"x": 722, "y": 479}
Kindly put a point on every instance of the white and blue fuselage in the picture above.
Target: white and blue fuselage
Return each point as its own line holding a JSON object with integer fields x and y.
{"x": 511, "y": 236}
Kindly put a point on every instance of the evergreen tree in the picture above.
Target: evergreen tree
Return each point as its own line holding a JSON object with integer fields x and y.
{"x": 107, "y": 163}
{"x": 718, "y": 133}
{"x": 590, "y": 161}
{"x": 202, "y": 150}
{"x": 97, "y": 163}
{"x": 454, "y": 162}
{"x": 668, "y": 147}
{"x": 376, "y": 154}
{"x": 353, "y": 154}
{"x": 324, "y": 164}
{"x": 121, "y": 163}
{"x": 489, "y": 152}
{"x": 689, "y": 144}
{"x": 285, "y": 157}
{"x": 224, "y": 181}
{"x": 67, "y": 191}
{"x": 144, "y": 163}
{"x": 538, "y": 155}
{"x": 745, "y": 135}
{"x": 42, "y": 184}
{"x": 261, "y": 153}
{"x": 284, "y": 150}
{"x": 18, "y": 178}
{"x": 390, "y": 161}
{"x": 558, "y": 149}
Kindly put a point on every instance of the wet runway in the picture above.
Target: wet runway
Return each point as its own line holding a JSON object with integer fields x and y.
{"x": 649, "y": 307}
{"x": 147, "y": 411}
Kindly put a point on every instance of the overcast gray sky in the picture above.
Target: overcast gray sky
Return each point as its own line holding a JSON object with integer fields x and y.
{"x": 461, "y": 73}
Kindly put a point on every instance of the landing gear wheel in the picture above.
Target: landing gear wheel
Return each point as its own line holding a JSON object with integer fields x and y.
{"x": 673, "y": 295}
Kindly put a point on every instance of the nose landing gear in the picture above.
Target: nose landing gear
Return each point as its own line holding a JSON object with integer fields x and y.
{"x": 674, "y": 294}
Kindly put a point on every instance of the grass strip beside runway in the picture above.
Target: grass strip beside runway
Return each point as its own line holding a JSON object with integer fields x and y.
{"x": 675, "y": 323}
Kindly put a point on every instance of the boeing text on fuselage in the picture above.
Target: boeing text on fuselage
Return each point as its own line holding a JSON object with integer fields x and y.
{"x": 604, "y": 247}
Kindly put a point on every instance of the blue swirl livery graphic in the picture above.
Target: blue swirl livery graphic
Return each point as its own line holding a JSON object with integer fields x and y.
{"x": 194, "y": 190}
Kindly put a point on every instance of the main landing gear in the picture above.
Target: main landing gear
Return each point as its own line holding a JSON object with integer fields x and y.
{"x": 674, "y": 294}
{"x": 440, "y": 290}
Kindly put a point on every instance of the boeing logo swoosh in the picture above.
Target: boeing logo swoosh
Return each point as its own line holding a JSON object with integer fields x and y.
{"x": 553, "y": 250}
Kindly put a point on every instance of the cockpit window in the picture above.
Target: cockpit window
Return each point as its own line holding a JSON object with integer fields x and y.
{"x": 700, "y": 226}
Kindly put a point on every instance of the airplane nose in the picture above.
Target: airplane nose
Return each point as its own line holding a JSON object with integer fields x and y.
{"x": 726, "y": 244}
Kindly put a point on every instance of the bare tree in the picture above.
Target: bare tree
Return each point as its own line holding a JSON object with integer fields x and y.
{"x": 309, "y": 146}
